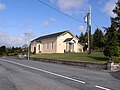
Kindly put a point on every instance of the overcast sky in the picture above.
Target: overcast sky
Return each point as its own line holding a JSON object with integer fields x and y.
{"x": 20, "y": 16}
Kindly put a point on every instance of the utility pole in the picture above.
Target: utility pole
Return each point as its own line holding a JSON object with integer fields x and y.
{"x": 89, "y": 30}
{"x": 28, "y": 45}
{"x": 88, "y": 21}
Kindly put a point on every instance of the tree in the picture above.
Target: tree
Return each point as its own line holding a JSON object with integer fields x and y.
{"x": 112, "y": 47}
{"x": 25, "y": 49}
{"x": 83, "y": 38}
{"x": 17, "y": 50}
{"x": 116, "y": 20}
{"x": 2, "y": 50}
{"x": 98, "y": 41}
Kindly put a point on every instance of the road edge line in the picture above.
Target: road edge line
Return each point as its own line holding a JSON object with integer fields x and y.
{"x": 100, "y": 87}
{"x": 45, "y": 71}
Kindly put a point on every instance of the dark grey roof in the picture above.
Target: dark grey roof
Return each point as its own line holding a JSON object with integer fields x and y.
{"x": 49, "y": 36}
{"x": 83, "y": 44}
{"x": 68, "y": 39}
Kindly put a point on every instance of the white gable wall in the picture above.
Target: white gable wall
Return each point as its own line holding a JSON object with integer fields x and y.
{"x": 75, "y": 44}
{"x": 61, "y": 45}
{"x": 33, "y": 44}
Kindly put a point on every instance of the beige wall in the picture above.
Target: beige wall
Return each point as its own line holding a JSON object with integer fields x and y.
{"x": 79, "y": 48}
{"x": 47, "y": 47}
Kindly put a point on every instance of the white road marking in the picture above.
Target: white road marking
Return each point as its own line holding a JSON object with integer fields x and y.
{"x": 102, "y": 87}
{"x": 55, "y": 74}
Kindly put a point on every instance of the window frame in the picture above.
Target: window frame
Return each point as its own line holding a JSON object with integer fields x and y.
{"x": 52, "y": 45}
{"x": 47, "y": 45}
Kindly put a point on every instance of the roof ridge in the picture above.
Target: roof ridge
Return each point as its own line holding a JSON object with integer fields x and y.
{"x": 54, "y": 33}
{"x": 50, "y": 35}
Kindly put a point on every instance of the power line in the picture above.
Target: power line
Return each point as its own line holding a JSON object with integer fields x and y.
{"x": 63, "y": 13}
{"x": 60, "y": 11}
{"x": 95, "y": 24}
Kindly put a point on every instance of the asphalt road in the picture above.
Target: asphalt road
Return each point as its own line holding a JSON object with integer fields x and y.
{"x": 33, "y": 75}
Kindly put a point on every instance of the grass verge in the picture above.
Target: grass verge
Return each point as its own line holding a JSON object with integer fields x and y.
{"x": 97, "y": 57}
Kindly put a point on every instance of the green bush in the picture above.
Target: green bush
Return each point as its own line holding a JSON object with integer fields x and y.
{"x": 112, "y": 51}
{"x": 116, "y": 59}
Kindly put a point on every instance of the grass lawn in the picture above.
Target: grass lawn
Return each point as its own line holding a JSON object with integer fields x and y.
{"x": 97, "y": 57}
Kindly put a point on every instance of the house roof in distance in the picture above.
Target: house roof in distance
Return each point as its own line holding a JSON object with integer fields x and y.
{"x": 50, "y": 35}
